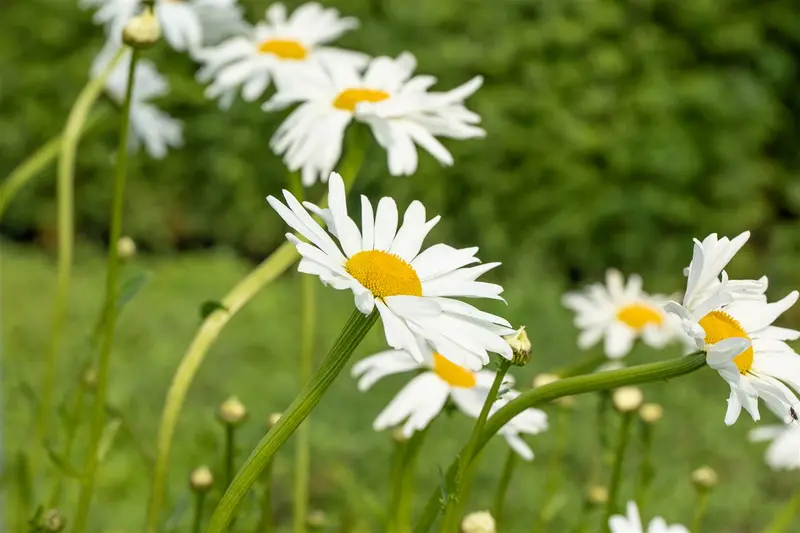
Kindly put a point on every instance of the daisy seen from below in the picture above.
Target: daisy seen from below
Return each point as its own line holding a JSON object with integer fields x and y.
{"x": 632, "y": 523}
{"x": 274, "y": 47}
{"x": 619, "y": 313}
{"x": 398, "y": 107}
{"x": 150, "y": 126}
{"x": 383, "y": 266}
{"x": 783, "y": 452}
{"x": 424, "y": 397}
{"x": 732, "y": 322}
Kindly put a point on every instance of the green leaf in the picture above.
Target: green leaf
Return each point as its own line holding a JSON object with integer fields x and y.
{"x": 131, "y": 287}
{"x": 209, "y": 307}
{"x": 107, "y": 439}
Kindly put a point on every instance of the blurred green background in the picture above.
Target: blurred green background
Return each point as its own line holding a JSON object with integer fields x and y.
{"x": 616, "y": 132}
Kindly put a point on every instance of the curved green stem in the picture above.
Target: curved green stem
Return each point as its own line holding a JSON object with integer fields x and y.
{"x": 700, "y": 510}
{"x": 616, "y": 471}
{"x": 783, "y": 519}
{"x": 110, "y": 310}
{"x": 502, "y": 488}
{"x": 66, "y": 230}
{"x": 354, "y": 331}
{"x": 566, "y": 387}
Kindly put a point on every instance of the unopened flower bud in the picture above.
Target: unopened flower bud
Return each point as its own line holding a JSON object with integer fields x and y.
{"x": 651, "y": 413}
{"x": 545, "y": 379}
{"x": 627, "y": 399}
{"x": 51, "y": 521}
{"x": 316, "y": 520}
{"x": 201, "y": 479}
{"x": 597, "y": 495}
{"x": 479, "y": 522}
{"x": 704, "y": 478}
{"x": 273, "y": 419}
{"x": 232, "y": 411}
{"x": 143, "y": 30}
{"x": 397, "y": 435}
{"x": 520, "y": 346}
{"x": 89, "y": 379}
{"x": 126, "y": 247}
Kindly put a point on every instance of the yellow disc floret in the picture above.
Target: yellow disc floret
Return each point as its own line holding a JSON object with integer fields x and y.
{"x": 384, "y": 274}
{"x": 284, "y": 49}
{"x": 349, "y": 98}
{"x": 454, "y": 375}
{"x": 718, "y": 326}
{"x": 639, "y": 315}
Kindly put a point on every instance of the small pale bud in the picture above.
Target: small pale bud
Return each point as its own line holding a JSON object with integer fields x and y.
{"x": 704, "y": 478}
{"x": 273, "y": 419}
{"x": 143, "y": 30}
{"x": 126, "y": 247}
{"x": 397, "y": 435}
{"x": 545, "y": 379}
{"x": 520, "y": 346}
{"x": 651, "y": 413}
{"x": 232, "y": 411}
{"x": 89, "y": 379}
{"x": 627, "y": 399}
{"x": 51, "y": 521}
{"x": 597, "y": 495}
{"x": 316, "y": 519}
{"x": 201, "y": 479}
{"x": 479, "y": 522}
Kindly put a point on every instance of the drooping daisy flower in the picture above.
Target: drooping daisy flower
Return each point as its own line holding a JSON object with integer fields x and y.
{"x": 783, "y": 453}
{"x": 150, "y": 126}
{"x": 632, "y": 523}
{"x": 384, "y": 267}
{"x": 399, "y": 109}
{"x": 732, "y": 322}
{"x": 424, "y": 397}
{"x": 275, "y": 46}
{"x": 620, "y": 312}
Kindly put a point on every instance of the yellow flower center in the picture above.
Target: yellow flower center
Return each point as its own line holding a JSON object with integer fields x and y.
{"x": 638, "y": 315}
{"x": 349, "y": 98}
{"x": 454, "y": 375}
{"x": 718, "y": 326}
{"x": 384, "y": 274}
{"x": 284, "y": 49}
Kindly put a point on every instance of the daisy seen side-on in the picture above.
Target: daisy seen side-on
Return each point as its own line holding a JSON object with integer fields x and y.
{"x": 413, "y": 290}
{"x": 424, "y": 397}
{"x": 619, "y": 313}
{"x": 397, "y": 106}
{"x": 273, "y": 48}
{"x": 632, "y": 523}
{"x": 783, "y": 452}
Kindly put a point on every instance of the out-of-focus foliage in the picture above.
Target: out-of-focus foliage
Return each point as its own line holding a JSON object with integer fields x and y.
{"x": 615, "y": 129}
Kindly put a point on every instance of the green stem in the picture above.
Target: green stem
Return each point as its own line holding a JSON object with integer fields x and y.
{"x": 645, "y": 467}
{"x": 230, "y": 453}
{"x": 396, "y": 484}
{"x": 69, "y": 441}
{"x": 197, "y": 523}
{"x": 407, "y": 473}
{"x": 502, "y": 488}
{"x": 565, "y": 387}
{"x": 449, "y": 522}
{"x": 782, "y": 520}
{"x": 553, "y": 475}
{"x": 110, "y": 310}
{"x": 354, "y": 331}
{"x": 266, "y": 522}
{"x": 700, "y": 510}
{"x": 601, "y": 455}
{"x": 66, "y": 229}
{"x": 616, "y": 471}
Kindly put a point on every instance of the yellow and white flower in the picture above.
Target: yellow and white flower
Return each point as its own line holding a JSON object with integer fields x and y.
{"x": 424, "y": 397}
{"x": 384, "y": 268}
{"x": 732, "y": 322}
{"x": 619, "y": 313}
{"x": 632, "y": 523}
{"x": 396, "y": 105}
{"x": 783, "y": 452}
{"x": 273, "y": 48}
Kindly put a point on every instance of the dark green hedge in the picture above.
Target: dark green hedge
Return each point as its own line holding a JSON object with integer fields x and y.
{"x": 616, "y": 128}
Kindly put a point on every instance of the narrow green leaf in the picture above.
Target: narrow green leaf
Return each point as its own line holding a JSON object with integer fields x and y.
{"x": 130, "y": 287}
{"x": 107, "y": 439}
{"x": 62, "y": 464}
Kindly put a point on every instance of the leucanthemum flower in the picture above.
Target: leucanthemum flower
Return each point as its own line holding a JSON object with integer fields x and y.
{"x": 384, "y": 268}
{"x": 424, "y": 397}
{"x": 396, "y": 105}
{"x": 150, "y": 125}
{"x": 632, "y": 523}
{"x": 274, "y": 47}
{"x": 732, "y": 322}
{"x": 619, "y": 313}
{"x": 783, "y": 452}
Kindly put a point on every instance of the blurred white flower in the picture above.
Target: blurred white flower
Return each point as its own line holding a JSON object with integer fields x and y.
{"x": 383, "y": 267}
{"x": 620, "y": 313}
{"x": 632, "y": 523}
{"x": 424, "y": 397}
{"x": 149, "y": 125}
{"x": 398, "y": 108}
{"x": 274, "y": 46}
{"x": 783, "y": 453}
{"x": 732, "y": 322}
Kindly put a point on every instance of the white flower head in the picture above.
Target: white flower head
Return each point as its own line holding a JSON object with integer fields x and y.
{"x": 274, "y": 48}
{"x": 632, "y": 523}
{"x": 732, "y": 322}
{"x": 384, "y": 267}
{"x": 149, "y": 125}
{"x": 397, "y": 106}
{"x": 783, "y": 452}
{"x": 424, "y": 397}
{"x": 619, "y": 313}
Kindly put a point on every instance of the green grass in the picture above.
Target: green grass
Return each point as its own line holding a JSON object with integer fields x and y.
{"x": 255, "y": 359}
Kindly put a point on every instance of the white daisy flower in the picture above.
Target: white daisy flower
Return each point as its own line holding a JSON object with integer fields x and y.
{"x": 384, "y": 267}
{"x": 732, "y": 322}
{"x": 274, "y": 47}
{"x": 149, "y": 125}
{"x": 400, "y": 111}
{"x": 182, "y": 21}
{"x": 424, "y": 397}
{"x": 783, "y": 453}
{"x": 632, "y": 523}
{"x": 620, "y": 313}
